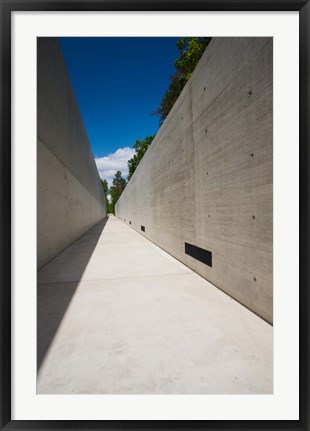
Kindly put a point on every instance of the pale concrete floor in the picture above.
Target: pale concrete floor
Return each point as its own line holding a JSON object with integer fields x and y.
{"x": 117, "y": 315}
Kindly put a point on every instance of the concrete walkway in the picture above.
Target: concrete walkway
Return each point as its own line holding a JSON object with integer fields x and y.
{"x": 117, "y": 315}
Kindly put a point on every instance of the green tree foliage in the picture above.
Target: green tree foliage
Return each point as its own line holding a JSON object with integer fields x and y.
{"x": 140, "y": 149}
{"x": 105, "y": 186}
{"x": 190, "y": 51}
{"x": 106, "y": 191}
{"x": 118, "y": 185}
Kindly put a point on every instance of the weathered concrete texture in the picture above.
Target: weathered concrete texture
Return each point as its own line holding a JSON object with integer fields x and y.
{"x": 69, "y": 193}
{"x": 207, "y": 177}
{"x": 141, "y": 322}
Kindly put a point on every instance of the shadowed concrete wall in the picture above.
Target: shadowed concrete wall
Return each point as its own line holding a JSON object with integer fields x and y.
{"x": 70, "y": 197}
{"x": 207, "y": 177}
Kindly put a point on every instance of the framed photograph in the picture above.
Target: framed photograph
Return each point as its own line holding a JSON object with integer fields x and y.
{"x": 154, "y": 215}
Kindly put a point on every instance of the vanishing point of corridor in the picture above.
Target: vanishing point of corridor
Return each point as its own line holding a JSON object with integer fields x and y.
{"x": 118, "y": 315}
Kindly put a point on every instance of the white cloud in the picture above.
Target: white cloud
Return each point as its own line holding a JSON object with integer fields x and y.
{"x": 108, "y": 165}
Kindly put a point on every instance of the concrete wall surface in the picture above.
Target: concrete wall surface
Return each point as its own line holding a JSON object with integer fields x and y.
{"x": 207, "y": 180}
{"x": 70, "y": 197}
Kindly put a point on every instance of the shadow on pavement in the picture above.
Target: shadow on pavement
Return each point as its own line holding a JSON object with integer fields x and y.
{"x": 54, "y": 296}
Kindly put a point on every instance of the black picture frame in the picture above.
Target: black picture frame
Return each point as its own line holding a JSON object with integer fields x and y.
{"x": 7, "y": 7}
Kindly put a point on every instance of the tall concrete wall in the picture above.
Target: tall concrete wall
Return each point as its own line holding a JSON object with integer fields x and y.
{"x": 70, "y": 197}
{"x": 207, "y": 177}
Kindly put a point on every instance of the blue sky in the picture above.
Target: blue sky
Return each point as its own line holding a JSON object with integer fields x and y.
{"x": 118, "y": 83}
